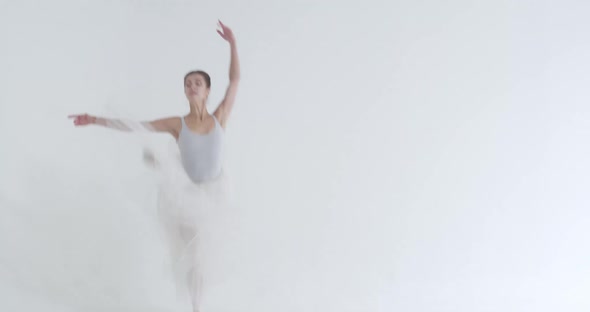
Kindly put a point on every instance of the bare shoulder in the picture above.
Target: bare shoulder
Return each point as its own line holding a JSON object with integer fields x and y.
{"x": 171, "y": 125}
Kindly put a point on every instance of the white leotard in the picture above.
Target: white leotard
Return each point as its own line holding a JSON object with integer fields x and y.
{"x": 201, "y": 154}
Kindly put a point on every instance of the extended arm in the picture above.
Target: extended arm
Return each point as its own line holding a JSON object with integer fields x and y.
{"x": 223, "y": 111}
{"x": 169, "y": 124}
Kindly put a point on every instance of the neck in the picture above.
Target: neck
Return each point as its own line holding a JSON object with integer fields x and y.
{"x": 198, "y": 110}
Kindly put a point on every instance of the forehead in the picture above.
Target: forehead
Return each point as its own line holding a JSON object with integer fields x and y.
{"x": 195, "y": 78}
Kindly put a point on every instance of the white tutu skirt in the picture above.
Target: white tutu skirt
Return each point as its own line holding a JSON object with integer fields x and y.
{"x": 196, "y": 223}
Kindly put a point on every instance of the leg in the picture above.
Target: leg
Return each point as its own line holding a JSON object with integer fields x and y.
{"x": 194, "y": 288}
{"x": 193, "y": 278}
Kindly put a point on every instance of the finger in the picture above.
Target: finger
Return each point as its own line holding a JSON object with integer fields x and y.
{"x": 225, "y": 28}
{"x": 220, "y": 33}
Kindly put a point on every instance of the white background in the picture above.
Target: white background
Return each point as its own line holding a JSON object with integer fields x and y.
{"x": 384, "y": 156}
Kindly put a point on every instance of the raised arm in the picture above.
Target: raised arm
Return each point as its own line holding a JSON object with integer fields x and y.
{"x": 170, "y": 124}
{"x": 224, "y": 109}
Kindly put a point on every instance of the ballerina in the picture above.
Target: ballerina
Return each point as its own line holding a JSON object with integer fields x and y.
{"x": 199, "y": 137}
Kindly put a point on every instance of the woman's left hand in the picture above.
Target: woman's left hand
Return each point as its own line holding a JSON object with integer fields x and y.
{"x": 226, "y": 33}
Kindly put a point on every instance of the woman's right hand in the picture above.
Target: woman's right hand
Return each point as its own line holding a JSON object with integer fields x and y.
{"x": 83, "y": 119}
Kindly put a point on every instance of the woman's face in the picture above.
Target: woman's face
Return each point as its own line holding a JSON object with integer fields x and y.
{"x": 195, "y": 88}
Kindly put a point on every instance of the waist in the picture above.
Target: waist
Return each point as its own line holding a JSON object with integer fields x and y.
{"x": 202, "y": 169}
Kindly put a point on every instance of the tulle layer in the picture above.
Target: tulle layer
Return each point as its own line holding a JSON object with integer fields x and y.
{"x": 196, "y": 221}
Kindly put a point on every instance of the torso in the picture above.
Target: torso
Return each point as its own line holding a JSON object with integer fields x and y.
{"x": 201, "y": 148}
